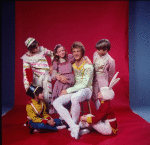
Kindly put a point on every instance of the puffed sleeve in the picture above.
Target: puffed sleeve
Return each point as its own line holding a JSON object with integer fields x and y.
{"x": 94, "y": 57}
{"x": 48, "y": 52}
{"x": 26, "y": 76}
{"x": 71, "y": 58}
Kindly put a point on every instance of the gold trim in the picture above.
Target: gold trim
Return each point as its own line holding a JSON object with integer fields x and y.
{"x": 114, "y": 130}
{"x": 35, "y": 89}
{"x": 42, "y": 60}
{"x": 80, "y": 67}
{"x": 89, "y": 119}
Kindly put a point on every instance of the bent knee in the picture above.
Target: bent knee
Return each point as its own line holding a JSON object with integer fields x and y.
{"x": 55, "y": 103}
{"x": 41, "y": 125}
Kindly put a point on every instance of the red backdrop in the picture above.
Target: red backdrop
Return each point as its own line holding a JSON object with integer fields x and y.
{"x": 53, "y": 22}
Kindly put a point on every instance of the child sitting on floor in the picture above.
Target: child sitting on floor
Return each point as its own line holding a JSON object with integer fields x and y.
{"x": 104, "y": 121}
{"x": 38, "y": 118}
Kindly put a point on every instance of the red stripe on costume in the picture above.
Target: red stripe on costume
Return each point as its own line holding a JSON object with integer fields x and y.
{"x": 29, "y": 74}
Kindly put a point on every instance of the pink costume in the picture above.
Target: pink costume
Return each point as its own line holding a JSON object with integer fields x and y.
{"x": 40, "y": 68}
{"x": 64, "y": 68}
{"x": 104, "y": 69}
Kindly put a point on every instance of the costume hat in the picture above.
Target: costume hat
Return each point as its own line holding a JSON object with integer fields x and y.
{"x": 107, "y": 92}
{"x": 29, "y": 41}
{"x": 31, "y": 91}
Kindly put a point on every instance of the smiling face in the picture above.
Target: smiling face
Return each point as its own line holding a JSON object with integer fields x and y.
{"x": 61, "y": 52}
{"x": 77, "y": 53}
{"x": 102, "y": 52}
{"x": 41, "y": 96}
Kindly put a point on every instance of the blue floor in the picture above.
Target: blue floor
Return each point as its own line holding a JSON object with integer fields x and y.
{"x": 5, "y": 110}
{"x": 144, "y": 112}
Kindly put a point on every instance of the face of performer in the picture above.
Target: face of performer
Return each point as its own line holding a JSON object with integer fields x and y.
{"x": 35, "y": 50}
{"x": 61, "y": 52}
{"x": 101, "y": 52}
{"x": 77, "y": 53}
{"x": 41, "y": 96}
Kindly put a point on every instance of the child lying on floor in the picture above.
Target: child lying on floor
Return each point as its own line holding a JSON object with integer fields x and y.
{"x": 38, "y": 118}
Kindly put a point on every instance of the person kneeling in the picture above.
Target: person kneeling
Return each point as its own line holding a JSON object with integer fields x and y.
{"x": 38, "y": 118}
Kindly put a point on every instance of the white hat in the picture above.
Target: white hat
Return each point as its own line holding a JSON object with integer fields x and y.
{"x": 29, "y": 41}
{"x": 107, "y": 92}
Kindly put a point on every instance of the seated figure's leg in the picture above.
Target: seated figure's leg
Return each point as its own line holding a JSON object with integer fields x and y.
{"x": 58, "y": 122}
{"x": 42, "y": 126}
{"x": 103, "y": 127}
{"x": 65, "y": 114}
{"x": 62, "y": 111}
{"x": 76, "y": 98}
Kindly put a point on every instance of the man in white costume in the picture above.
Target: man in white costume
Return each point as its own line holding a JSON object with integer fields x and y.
{"x": 35, "y": 59}
{"x": 81, "y": 91}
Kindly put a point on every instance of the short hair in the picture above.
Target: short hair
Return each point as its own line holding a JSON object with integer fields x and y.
{"x": 38, "y": 91}
{"x": 78, "y": 45}
{"x": 103, "y": 44}
{"x": 33, "y": 45}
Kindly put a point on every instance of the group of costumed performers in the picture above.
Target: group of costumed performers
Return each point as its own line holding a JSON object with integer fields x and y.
{"x": 89, "y": 81}
{"x": 63, "y": 71}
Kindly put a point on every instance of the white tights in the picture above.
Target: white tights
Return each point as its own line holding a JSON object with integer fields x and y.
{"x": 103, "y": 127}
{"x": 75, "y": 99}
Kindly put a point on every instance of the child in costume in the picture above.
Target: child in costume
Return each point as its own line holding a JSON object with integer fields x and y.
{"x": 38, "y": 118}
{"x": 104, "y": 120}
{"x": 63, "y": 71}
{"x": 104, "y": 68}
{"x": 79, "y": 92}
{"x": 34, "y": 61}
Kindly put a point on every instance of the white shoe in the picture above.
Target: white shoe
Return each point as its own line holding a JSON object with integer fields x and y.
{"x": 75, "y": 132}
{"x": 35, "y": 131}
{"x": 69, "y": 129}
{"x": 84, "y": 131}
{"x": 83, "y": 124}
{"x": 61, "y": 127}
